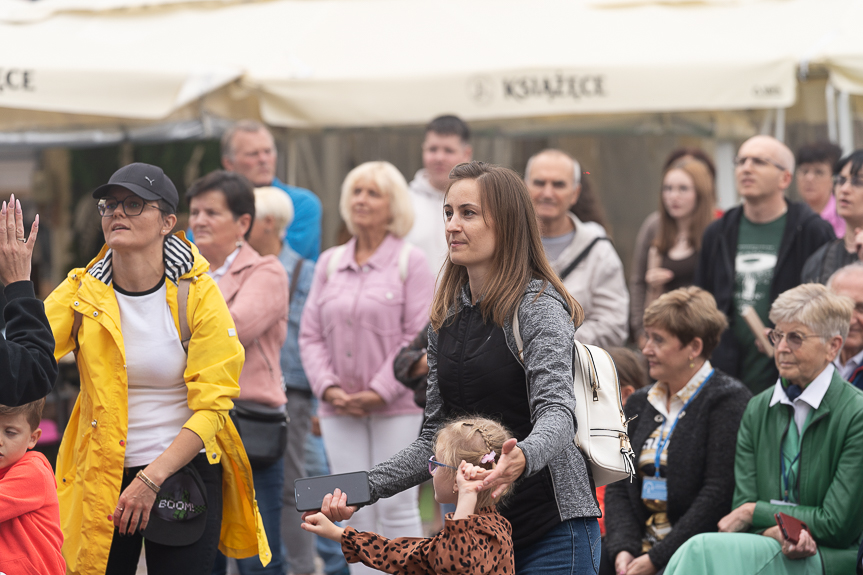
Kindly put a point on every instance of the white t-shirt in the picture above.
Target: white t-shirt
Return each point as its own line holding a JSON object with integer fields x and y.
{"x": 429, "y": 230}
{"x": 155, "y": 363}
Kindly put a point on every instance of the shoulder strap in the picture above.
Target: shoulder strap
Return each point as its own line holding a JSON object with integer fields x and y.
{"x": 580, "y": 257}
{"x": 335, "y": 259}
{"x": 295, "y": 276}
{"x": 182, "y": 306}
{"x": 404, "y": 258}
{"x": 519, "y": 343}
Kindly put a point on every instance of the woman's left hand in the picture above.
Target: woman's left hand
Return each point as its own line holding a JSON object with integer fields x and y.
{"x": 133, "y": 507}
{"x": 509, "y": 467}
{"x": 364, "y": 400}
{"x": 805, "y": 546}
{"x": 641, "y": 565}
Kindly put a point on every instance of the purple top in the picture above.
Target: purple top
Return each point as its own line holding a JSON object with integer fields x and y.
{"x": 355, "y": 322}
{"x": 829, "y": 214}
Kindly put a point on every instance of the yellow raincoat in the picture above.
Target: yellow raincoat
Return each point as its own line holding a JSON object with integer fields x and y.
{"x": 90, "y": 461}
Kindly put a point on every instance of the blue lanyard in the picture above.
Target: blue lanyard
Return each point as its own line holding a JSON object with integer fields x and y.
{"x": 661, "y": 444}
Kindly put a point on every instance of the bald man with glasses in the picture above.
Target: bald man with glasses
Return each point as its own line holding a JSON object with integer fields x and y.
{"x": 755, "y": 252}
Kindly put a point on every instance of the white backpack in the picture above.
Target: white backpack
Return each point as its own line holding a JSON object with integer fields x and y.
{"x": 602, "y": 426}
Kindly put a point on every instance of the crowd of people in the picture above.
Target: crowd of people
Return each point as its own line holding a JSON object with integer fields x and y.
{"x": 738, "y": 342}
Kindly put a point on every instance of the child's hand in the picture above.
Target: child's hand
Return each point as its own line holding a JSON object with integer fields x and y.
{"x": 320, "y": 525}
{"x": 469, "y": 477}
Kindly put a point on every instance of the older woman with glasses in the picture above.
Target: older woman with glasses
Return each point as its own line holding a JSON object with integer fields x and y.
{"x": 159, "y": 362}
{"x": 799, "y": 452}
{"x": 683, "y": 430}
{"x": 848, "y": 186}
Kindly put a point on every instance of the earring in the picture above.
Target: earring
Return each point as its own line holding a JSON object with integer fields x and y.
{"x": 691, "y": 363}
{"x": 239, "y": 243}
{"x": 454, "y": 489}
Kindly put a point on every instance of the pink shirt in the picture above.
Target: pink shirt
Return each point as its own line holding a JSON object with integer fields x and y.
{"x": 829, "y": 214}
{"x": 355, "y": 322}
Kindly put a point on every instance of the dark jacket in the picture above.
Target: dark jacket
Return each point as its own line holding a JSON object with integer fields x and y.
{"x": 28, "y": 370}
{"x": 700, "y": 470}
{"x": 825, "y": 261}
{"x": 856, "y": 378}
{"x": 405, "y": 360}
{"x": 805, "y": 232}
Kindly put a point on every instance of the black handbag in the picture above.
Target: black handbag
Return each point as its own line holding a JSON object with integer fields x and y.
{"x": 264, "y": 431}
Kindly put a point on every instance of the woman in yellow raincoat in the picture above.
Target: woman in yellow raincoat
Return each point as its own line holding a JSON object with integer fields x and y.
{"x": 155, "y": 394}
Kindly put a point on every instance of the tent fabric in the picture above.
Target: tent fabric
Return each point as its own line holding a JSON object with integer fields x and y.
{"x": 342, "y": 63}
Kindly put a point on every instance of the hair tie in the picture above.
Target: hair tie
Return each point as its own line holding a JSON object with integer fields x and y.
{"x": 488, "y": 457}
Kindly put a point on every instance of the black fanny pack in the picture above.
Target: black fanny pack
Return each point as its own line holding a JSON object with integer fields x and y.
{"x": 264, "y": 431}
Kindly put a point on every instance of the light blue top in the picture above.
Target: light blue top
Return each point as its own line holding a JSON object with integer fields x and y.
{"x": 292, "y": 366}
{"x": 304, "y": 233}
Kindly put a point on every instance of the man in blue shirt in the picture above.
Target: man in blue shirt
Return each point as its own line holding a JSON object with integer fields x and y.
{"x": 249, "y": 149}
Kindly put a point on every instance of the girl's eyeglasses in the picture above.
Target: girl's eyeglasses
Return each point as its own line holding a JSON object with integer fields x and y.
{"x": 434, "y": 464}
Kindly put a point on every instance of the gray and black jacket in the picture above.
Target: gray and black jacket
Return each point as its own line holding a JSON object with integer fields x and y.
{"x": 547, "y": 332}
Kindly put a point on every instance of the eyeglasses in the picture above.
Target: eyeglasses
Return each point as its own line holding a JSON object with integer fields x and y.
{"x": 132, "y": 206}
{"x": 434, "y": 464}
{"x": 840, "y": 181}
{"x": 740, "y": 161}
{"x": 793, "y": 339}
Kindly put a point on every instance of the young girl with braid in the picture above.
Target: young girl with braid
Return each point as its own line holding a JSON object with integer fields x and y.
{"x": 475, "y": 539}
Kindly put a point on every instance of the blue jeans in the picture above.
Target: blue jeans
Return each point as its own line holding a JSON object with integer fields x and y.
{"x": 268, "y": 493}
{"x": 570, "y": 548}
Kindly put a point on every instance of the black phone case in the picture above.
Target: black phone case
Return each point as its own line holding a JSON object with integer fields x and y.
{"x": 309, "y": 492}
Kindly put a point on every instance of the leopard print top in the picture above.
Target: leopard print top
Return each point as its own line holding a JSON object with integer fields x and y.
{"x": 480, "y": 544}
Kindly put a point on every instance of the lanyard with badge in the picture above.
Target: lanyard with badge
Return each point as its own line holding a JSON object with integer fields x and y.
{"x": 655, "y": 487}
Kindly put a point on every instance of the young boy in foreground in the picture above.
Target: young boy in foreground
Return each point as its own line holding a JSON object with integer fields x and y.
{"x": 30, "y": 536}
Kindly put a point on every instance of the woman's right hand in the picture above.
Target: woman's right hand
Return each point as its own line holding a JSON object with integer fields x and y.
{"x": 658, "y": 277}
{"x": 335, "y": 507}
{"x": 622, "y": 561}
{"x": 340, "y": 400}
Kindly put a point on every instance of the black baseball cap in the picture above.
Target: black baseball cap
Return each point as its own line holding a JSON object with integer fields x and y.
{"x": 179, "y": 515}
{"x": 148, "y": 182}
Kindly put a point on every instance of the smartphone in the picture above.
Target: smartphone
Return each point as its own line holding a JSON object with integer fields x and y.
{"x": 309, "y": 492}
{"x": 790, "y": 527}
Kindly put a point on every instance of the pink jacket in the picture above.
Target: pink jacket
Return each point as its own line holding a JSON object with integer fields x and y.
{"x": 256, "y": 290}
{"x": 355, "y": 323}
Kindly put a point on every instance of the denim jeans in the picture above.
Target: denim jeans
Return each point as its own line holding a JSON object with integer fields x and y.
{"x": 195, "y": 558}
{"x": 268, "y": 492}
{"x": 571, "y": 548}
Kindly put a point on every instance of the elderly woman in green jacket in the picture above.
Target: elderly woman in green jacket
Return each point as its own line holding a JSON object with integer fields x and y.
{"x": 799, "y": 452}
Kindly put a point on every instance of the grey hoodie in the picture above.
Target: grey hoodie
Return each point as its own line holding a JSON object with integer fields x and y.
{"x": 547, "y": 331}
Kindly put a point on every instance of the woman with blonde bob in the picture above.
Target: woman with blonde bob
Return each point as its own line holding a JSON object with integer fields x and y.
{"x": 685, "y": 464}
{"x": 497, "y": 265}
{"x": 368, "y": 299}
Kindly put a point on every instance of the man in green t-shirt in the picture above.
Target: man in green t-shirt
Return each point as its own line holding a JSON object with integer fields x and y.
{"x": 755, "y": 252}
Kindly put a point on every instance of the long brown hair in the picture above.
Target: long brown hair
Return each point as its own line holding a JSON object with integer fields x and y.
{"x": 518, "y": 258}
{"x": 701, "y": 216}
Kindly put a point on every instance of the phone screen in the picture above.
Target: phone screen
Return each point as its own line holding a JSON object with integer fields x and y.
{"x": 310, "y": 491}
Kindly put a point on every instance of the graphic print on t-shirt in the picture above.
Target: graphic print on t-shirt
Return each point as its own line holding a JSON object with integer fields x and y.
{"x": 754, "y": 273}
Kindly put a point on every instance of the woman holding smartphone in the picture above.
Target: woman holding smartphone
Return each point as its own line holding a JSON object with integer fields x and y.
{"x": 497, "y": 265}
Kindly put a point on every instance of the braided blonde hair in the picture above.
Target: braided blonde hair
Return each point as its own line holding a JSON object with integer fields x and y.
{"x": 471, "y": 439}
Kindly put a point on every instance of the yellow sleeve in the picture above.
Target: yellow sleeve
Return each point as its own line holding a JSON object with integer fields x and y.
{"x": 58, "y": 309}
{"x": 214, "y": 364}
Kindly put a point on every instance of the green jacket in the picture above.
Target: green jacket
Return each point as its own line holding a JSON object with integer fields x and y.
{"x": 831, "y": 470}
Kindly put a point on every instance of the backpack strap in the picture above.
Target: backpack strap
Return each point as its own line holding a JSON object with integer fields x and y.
{"x": 404, "y": 259}
{"x": 519, "y": 343}
{"x": 580, "y": 257}
{"x": 335, "y": 259}
{"x": 182, "y": 307}
{"x": 295, "y": 276}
